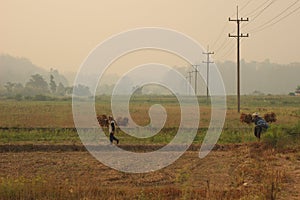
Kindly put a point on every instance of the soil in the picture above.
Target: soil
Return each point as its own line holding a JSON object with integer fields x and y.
{"x": 241, "y": 171}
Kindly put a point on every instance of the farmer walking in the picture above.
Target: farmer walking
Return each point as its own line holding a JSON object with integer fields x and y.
{"x": 112, "y": 128}
{"x": 260, "y": 125}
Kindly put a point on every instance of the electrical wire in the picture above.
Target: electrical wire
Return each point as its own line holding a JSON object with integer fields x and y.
{"x": 225, "y": 42}
{"x": 256, "y": 13}
{"x": 225, "y": 25}
{"x": 270, "y": 22}
{"x": 225, "y": 51}
{"x": 219, "y": 36}
{"x": 260, "y": 13}
{"x": 252, "y": 13}
{"x": 243, "y": 7}
{"x": 229, "y": 51}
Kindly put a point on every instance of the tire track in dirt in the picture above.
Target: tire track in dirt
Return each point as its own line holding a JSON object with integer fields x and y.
{"x": 80, "y": 147}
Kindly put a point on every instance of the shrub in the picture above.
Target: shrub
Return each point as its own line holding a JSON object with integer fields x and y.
{"x": 41, "y": 97}
{"x": 18, "y": 97}
{"x": 281, "y": 137}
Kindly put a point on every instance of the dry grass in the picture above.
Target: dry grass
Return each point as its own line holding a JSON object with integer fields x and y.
{"x": 35, "y": 114}
{"x": 233, "y": 171}
{"x": 59, "y": 113}
{"x": 250, "y": 171}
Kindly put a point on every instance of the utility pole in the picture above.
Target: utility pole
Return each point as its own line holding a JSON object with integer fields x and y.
{"x": 207, "y": 69}
{"x": 238, "y": 36}
{"x": 196, "y": 72}
{"x": 190, "y": 80}
{"x": 187, "y": 86}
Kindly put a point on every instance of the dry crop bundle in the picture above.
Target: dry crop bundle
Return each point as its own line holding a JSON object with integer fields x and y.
{"x": 270, "y": 117}
{"x": 246, "y": 118}
{"x": 103, "y": 120}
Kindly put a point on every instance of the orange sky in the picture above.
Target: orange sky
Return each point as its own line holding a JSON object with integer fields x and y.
{"x": 60, "y": 34}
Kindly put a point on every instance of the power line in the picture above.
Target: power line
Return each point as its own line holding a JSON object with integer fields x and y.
{"x": 230, "y": 50}
{"x": 252, "y": 13}
{"x": 271, "y": 21}
{"x": 220, "y": 35}
{"x": 225, "y": 49}
{"x": 272, "y": 24}
{"x": 260, "y": 13}
{"x": 243, "y": 7}
{"x": 224, "y": 27}
{"x": 279, "y": 20}
{"x": 224, "y": 44}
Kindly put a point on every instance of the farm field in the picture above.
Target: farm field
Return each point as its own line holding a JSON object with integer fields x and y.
{"x": 41, "y": 156}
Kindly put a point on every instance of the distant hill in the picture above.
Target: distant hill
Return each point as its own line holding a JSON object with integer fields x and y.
{"x": 256, "y": 77}
{"x": 265, "y": 77}
{"x": 19, "y": 70}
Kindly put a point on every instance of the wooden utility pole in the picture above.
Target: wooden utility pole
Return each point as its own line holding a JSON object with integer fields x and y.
{"x": 196, "y": 73}
{"x": 207, "y": 70}
{"x": 238, "y": 36}
{"x": 190, "y": 80}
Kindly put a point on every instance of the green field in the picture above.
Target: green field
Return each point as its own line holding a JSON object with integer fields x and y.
{"x": 41, "y": 155}
{"x": 52, "y": 121}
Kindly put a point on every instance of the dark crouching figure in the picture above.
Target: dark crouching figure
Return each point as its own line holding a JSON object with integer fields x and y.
{"x": 260, "y": 125}
{"x": 112, "y": 128}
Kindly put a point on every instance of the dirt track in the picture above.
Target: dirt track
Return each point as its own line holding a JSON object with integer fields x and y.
{"x": 76, "y": 147}
{"x": 229, "y": 172}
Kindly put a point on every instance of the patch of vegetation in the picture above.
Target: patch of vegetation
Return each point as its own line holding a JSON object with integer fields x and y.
{"x": 39, "y": 136}
{"x": 57, "y": 115}
{"x": 281, "y": 137}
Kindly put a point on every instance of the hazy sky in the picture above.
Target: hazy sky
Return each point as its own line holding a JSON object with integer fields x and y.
{"x": 61, "y": 33}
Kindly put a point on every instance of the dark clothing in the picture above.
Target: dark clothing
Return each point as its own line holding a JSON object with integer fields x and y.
{"x": 112, "y": 138}
{"x": 257, "y": 131}
{"x": 258, "y": 121}
{"x": 261, "y": 125}
{"x": 112, "y": 132}
{"x": 112, "y": 126}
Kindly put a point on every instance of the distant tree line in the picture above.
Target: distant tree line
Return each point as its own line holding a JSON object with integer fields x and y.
{"x": 297, "y": 92}
{"x": 38, "y": 87}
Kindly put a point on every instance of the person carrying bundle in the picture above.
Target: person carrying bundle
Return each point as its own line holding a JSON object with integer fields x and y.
{"x": 112, "y": 128}
{"x": 260, "y": 125}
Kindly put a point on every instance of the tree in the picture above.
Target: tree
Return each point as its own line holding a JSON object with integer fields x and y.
{"x": 14, "y": 88}
{"x": 69, "y": 90}
{"x": 52, "y": 84}
{"x": 61, "y": 90}
{"x": 298, "y": 87}
{"x": 138, "y": 90}
{"x": 18, "y": 88}
{"x": 81, "y": 90}
{"x": 9, "y": 86}
{"x": 36, "y": 85}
